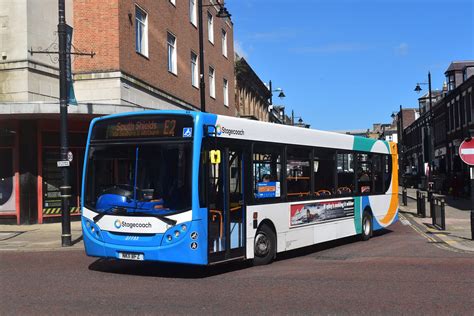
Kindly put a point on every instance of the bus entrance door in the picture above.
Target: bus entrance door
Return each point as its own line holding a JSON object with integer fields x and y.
{"x": 226, "y": 207}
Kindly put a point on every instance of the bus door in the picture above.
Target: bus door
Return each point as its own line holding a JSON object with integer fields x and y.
{"x": 226, "y": 206}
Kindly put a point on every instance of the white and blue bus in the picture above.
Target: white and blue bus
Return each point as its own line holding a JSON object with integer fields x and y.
{"x": 200, "y": 188}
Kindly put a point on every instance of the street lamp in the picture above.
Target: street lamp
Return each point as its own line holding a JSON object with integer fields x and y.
{"x": 281, "y": 95}
{"x": 222, "y": 13}
{"x": 429, "y": 126}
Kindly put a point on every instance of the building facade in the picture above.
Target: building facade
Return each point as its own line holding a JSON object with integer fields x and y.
{"x": 431, "y": 143}
{"x": 146, "y": 57}
{"x": 251, "y": 94}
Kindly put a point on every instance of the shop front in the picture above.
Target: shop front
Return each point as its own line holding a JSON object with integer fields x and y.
{"x": 29, "y": 176}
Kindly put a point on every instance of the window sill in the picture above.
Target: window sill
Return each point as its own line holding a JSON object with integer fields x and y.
{"x": 174, "y": 74}
{"x": 142, "y": 55}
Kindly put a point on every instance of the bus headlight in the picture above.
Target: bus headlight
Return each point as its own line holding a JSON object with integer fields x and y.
{"x": 183, "y": 227}
{"x": 176, "y": 233}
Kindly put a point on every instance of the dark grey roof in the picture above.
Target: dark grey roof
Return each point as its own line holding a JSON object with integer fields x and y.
{"x": 459, "y": 65}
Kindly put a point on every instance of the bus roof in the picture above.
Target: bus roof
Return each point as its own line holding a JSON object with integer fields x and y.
{"x": 238, "y": 128}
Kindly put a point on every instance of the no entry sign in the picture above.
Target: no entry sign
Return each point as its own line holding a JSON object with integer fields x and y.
{"x": 466, "y": 151}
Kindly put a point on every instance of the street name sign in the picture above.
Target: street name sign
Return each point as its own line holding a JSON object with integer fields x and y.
{"x": 466, "y": 152}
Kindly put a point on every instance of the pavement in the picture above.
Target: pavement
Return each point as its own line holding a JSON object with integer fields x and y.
{"x": 457, "y": 236}
{"x": 38, "y": 237}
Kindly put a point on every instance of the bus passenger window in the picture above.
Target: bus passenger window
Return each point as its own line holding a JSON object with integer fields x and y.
{"x": 298, "y": 173}
{"x": 378, "y": 176}
{"x": 266, "y": 167}
{"x": 364, "y": 174}
{"x": 323, "y": 168}
{"x": 345, "y": 173}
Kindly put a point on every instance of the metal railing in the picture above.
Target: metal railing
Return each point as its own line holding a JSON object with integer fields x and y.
{"x": 437, "y": 210}
{"x": 420, "y": 204}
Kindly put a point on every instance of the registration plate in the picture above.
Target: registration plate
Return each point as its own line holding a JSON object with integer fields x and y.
{"x": 131, "y": 256}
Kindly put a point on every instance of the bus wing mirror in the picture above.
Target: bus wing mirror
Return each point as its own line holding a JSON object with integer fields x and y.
{"x": 215, "y": 156}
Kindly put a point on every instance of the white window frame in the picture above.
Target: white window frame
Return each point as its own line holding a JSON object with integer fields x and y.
{"x": 173, "y": 2}
{"x": 225, "y": 90}
{"x": 212, "y": 82}
{"x": 172, "y": 52}
{"x": 142, "y": 26}
{"x": 193, "y": 12}
{"x": 210, "y": 27}
{"x": 224, "y": 42}
{"x": 194, "y": 70}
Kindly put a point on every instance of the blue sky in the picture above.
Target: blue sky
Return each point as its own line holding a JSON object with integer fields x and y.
{"x": 345, "y": 64}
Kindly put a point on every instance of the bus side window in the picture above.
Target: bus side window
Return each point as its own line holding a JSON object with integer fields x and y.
{"x": 345, "y": 173}
{"x": 266, "y": 168}
{"x": 323, "y": 168}
{"x": 298, "y": 173}
{"x": 364, "y": 174}
{"x": 378, "y": 175}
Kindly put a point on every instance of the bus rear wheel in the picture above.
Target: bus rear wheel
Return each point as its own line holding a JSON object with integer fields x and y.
{"x": 264, "y": 246}
{"x": 366, "y": 226}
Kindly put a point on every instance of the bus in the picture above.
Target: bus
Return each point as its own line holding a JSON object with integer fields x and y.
{"x": 200, "y": 188}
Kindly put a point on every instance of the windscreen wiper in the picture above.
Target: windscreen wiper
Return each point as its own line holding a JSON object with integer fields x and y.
{"x": 111, "y": 211}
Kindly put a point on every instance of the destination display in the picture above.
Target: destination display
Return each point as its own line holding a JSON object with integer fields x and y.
{"x": 143, "y": 127}
{"x": 316, "y": 212}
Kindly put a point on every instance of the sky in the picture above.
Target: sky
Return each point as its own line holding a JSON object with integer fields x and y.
{"x": 346, "y": 64}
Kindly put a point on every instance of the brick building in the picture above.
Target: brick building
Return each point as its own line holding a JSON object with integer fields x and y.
{"x": 148, "y": 54}
{"x": 146, "y": 57}
{"x": 433, "y": 139}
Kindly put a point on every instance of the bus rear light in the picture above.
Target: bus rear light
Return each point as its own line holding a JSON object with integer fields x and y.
{"x": 255, "y": 219}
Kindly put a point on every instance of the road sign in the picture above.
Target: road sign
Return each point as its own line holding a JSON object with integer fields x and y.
{"x": 466, "y": 152}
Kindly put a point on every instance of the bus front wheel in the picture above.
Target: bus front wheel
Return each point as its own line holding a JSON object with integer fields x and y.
{"x": 264, "y": 246}
{"x": 366, "y": 226}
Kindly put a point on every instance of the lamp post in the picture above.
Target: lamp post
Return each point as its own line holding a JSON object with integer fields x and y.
{"x": 281, "y": 95}
{"x": 429, "y": 126}
{"x": 222, "y": 13}
{"x": 65, "y": 188}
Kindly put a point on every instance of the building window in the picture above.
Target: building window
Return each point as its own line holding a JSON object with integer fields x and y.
{"x": 193, "y": 12}
{"x": 224, "y": 43}
{"x": 210, "y": 27}
{"x": 226, "y": 92}
{"x": 451, "y": 82}
{"x": 141, "y": 31}
{"x": 212, "y": 82}
{"x": 194, "y": 69}
{"x": 172, "y": 53}
{"x": 173, "y": 2}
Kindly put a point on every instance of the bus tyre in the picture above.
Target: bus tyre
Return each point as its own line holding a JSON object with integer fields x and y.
{"x": 264, "y": 246}
{"x": 366, "y": 226}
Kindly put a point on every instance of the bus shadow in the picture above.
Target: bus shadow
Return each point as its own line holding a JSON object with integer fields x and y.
{"x": 166, "y": 270}
{"x": 185, "y": 271}
{"x": 301, "y": 252}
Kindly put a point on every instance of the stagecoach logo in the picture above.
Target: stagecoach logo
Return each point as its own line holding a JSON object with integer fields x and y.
{"x": 119, "y": 224}
{"x": 228, "y": 131}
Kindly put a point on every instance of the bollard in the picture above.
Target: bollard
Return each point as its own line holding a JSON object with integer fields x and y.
{"x": 472, "y": 225}
{"x": 404, "y": 196}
